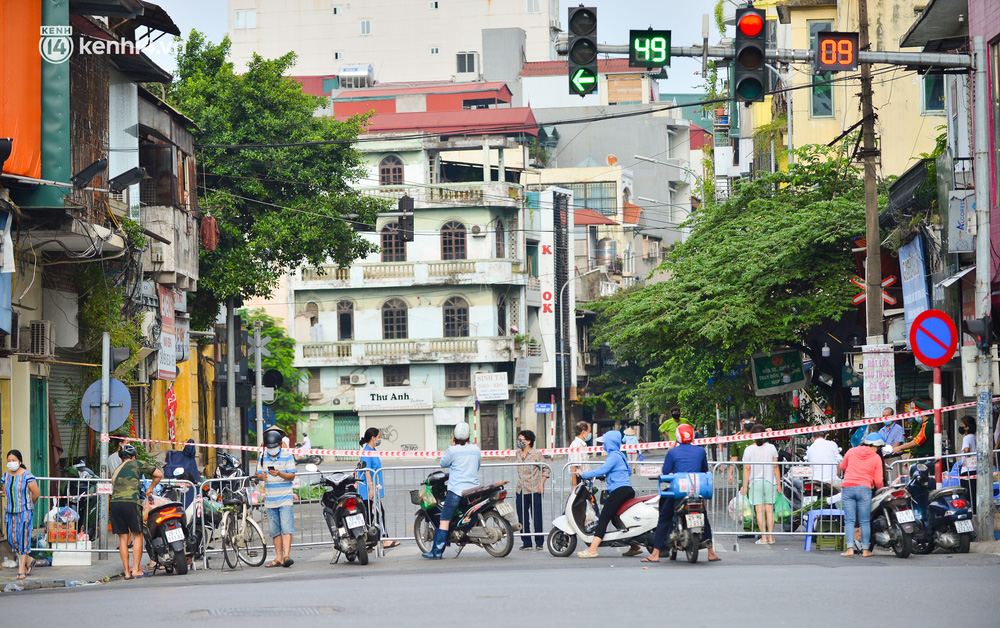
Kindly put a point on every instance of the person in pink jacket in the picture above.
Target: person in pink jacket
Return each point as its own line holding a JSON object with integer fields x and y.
{"x": 863, "y": 472}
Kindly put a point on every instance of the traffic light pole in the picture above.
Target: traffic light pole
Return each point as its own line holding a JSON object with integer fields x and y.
{"x": 258, "y": 376}
{"x": 869, "y": 153}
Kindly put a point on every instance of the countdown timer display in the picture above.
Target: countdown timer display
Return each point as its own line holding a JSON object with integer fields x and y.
{"x": 836, "y": 52}
{"x": 648, "y": 49}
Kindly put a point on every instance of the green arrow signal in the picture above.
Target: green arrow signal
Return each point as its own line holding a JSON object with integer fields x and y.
{"x": 583, "y": 78}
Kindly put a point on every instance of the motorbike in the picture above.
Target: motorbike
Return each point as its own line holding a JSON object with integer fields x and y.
{"x": 689, "y": 492}
{"x": 635, "y": 522}
{"x": 893, "y": 521}
{"x": 308, "y": 459}
{"x": 353, "y": 532}
{"x": 194, "y": 541}
{"x": 943, "y": 515}
{"x": 82, "y": 500}
{"x": 482, "y": 518}
{"x": 801, "y": 489}
{"x": 165, "y": 535}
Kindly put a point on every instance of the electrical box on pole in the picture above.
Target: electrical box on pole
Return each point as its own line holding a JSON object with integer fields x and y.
{"x": 749, "y": 71}
{"x": 582, "y": 50}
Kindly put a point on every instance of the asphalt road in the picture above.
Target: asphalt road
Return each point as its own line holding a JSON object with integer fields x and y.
{"x": 776, "y": 585}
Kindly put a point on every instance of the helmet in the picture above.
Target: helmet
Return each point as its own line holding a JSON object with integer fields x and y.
{"x": 462, "y": 431}
{"x": 127, "y": 451}
{"x": 272, "y": 438}
{"x": 874, "y": 440}
{"x": 685, "y": 433}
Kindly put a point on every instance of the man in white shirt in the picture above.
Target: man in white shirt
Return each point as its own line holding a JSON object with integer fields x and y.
{"x": 824, "y": 456}
{"x": 306, "y": 443}
{"x": 285, "y": 442}
{"x": 582, "y": 430}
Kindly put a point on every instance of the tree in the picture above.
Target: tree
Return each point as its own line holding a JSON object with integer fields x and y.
{"x": 756, "y": 272}
{"x": 277, "y": 207}
{"x": 288, "y": 401}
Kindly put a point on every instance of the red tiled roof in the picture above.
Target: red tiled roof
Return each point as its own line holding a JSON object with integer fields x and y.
{"x": 555, "y": 68}
{"x": 465, "y": 122}
{"x": 386, "y": 90}
{"x": 632, "y": 213}
{"x": 583, "y": 216}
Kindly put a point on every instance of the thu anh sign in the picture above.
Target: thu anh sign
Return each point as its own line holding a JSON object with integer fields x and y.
{"x": 771, "y": 370}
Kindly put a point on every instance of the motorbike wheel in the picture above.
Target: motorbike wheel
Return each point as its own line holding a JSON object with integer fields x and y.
{"x": 922, "y": 547}
{"x": 904, "y": 545}
{"x": 180, "y": 562}
{"x": 964, "y": 540}
{"x": 559, "y": 543}
{"x": 693, "y": 547}
{"x": 254, "y": 551}
{"x": 501, "y": 548}
{"x": 350, "y": 557}
{"x": 362, "y": 552}
{"x": 423, "y": 532}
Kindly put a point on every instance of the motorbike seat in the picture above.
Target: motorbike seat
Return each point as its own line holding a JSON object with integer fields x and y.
{"x": 632, "y": 502}
{"x": 944, "y": 492}
{"x": 475, "y": 494}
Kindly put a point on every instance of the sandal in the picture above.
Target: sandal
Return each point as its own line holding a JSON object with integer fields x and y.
{"x": 273, "y": 563}
{"x": 649, "y": 560}
{"x": 585, "y": 554}
{"x": 30, "y": 567}
{"x": 20, "y": 576}
{"x": 390, "y": 544}
{"x": 288, "y": 562}
{"x": 848, "y": 554}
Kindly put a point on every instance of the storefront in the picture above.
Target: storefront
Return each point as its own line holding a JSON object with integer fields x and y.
{"x": 404, "y": 415}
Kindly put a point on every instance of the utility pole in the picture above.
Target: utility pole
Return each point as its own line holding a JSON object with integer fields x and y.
{"x": 984, "y": 405}
{"x": 873, "y": 271}
{"x": 258, "y": 382}
{"x": 102, "y": 517}
{"x": 232, "y": 419}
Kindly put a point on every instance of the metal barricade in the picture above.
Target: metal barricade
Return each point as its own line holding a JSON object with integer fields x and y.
{"x": 949, "y": 476}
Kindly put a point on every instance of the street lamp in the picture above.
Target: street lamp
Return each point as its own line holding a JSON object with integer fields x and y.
{"x": 560, "y": 353}
{"x": 700, "y": 179}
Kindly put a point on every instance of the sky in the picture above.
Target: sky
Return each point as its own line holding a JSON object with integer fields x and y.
{"x": 614, "y": 20}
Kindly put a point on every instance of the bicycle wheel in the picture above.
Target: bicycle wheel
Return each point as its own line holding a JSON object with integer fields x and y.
{"x": 252, "y": 549}
{"x": 228, "y": 530}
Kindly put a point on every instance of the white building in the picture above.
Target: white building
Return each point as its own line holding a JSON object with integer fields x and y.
{"x": 414, "y": 40}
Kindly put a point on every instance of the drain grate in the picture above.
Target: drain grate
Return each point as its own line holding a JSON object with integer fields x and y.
{"x": 303, "y": 611}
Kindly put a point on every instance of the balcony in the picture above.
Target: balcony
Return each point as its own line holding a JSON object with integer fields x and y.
{"x": 535, "y": 353}
{"x": 401, "y": 274}
{"x": 470, "y": 194}
{"x": 533, "y": 291}
{"x": 405, "y": 351}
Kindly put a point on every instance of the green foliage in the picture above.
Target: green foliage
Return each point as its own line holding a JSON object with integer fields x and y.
{"x": 720, "y": 22}
{"x": 756, "y": 272}
{"x": 277, "y": 208}
{"x": 288, "y": 401}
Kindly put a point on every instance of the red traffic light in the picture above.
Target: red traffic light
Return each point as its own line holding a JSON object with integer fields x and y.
{"x": 751, "y": 24}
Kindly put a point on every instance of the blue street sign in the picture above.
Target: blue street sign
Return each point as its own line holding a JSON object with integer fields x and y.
{"x": 933, "y": 338}
{"x": 268, "y": 418}
{"x": 543, "y": 408}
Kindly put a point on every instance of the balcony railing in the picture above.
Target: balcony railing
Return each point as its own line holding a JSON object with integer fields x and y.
{"x": 402, "y": 351}
{"x": 387, "y": 271}
{"x": 453, "y": 194}
{"x": 326, "y": 273}
{"x": 368, "y": 274}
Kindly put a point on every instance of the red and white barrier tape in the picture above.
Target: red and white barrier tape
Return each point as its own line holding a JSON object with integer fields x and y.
{"x": 562, "y": 451}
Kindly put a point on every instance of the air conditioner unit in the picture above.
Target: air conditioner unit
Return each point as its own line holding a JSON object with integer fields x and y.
{"x": 359, "y": 379}
{"x": 37, "y": 340}
{"x": 336, "y": 401}
{"x": 478, "y": 231}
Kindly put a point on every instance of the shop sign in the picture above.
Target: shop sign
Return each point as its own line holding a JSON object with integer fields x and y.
{"x": 777, "y": 372}
{"x": 879, "y": 378}
{"x": 491, "y": 387}
{"x": 393, "y": 397}
{"x": 916, "y": 299}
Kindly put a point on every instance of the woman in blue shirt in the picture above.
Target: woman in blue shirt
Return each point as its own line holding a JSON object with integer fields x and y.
{"x": 619, "y": 479}
{"x": 371, "y": 478}
{"x": 20, "y": 494}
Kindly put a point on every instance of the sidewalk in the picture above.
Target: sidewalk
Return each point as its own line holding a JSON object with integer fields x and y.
{"x": 52, "y": 577}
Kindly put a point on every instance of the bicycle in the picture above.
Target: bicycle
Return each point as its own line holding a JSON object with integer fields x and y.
{"x": 242, "y": 538}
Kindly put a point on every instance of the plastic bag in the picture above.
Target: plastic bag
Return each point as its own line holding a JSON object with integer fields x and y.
{"x": 858, "y": 435}
{"x": 782, "y": 508}
{"x": 426, "y": 496}
{"x": 62, "y": 514}
{"x": 740, "y": 508}
{"x": 590, "y": 518}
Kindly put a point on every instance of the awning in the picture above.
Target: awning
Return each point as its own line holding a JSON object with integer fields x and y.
{"x": 950, "y": 280}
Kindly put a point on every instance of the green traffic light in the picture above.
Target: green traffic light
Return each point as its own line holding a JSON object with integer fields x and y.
{"x": 583, "y": 81}
{"x": 749, "y": 89}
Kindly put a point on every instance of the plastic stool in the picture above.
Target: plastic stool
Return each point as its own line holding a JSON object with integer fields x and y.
{"x": 811, "y": 517}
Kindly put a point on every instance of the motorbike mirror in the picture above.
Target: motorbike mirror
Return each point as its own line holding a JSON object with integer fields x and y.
{"x": 311, "y": 468}
{"x": 178, "y": 472}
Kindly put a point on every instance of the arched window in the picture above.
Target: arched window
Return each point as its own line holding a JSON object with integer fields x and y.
{"x": 456, "y": 318}
{"x": 501, "y": 241}
{"x": 453, "y": 240}
{"x": 394, "y": 319}
{"x": 390, "y": 171}
{"x": 312, "y": 313}
{"x": 393, "y": 246}
{"x": 345, "y": 320}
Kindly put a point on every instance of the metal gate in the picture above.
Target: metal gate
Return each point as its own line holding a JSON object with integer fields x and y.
{"x": 346, "y": 431}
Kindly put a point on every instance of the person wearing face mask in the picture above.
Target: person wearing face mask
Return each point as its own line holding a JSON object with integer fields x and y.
{"x": 371, "y": 479}
{"x": 669, "y": 427}
{"x": 969, "y": 463}
{"x": 583, "y": 436}
{"x": 531, "y": 477}
{"x": 892, "y": 433}
{"x": 276, "y": 468}
{"x": 747, "y": 421}
{"x": 20, "y": 491}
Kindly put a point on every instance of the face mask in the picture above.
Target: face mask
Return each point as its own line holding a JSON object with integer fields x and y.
{"x": 13, "y": 466}
{"x": 378, "y": 441}
{"x": 747, "y": 427}
{"x": 888, "y": 424}
{"x": 521, "y": 444}
{"x": 589, "y": 436}
{"x": 273, "y": 451}
{"x": 676, "y": 417}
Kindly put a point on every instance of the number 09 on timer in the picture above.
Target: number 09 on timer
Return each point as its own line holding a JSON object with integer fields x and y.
{"x": 836, "y": 52}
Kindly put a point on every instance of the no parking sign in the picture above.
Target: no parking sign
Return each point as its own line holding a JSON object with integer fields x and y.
{"x": 933, "y": 338}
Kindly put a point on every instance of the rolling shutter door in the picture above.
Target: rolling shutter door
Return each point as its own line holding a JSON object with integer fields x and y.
{"x": 62, "y": 379}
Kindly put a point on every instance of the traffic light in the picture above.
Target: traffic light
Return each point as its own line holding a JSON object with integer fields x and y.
{"x": 582, "y": 50}
{"x": 750, "y": 73}
{"x": 118, "y": 356}
{"x": 981, "y": 329}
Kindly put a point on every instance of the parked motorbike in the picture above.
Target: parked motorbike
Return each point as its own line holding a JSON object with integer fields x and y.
{"x": 165, "y": 535}
{"x": 893, "y": 521}
{"x": 350, "y": 525}
{"x": 689, "y": 492}
{"x": 635, "y": 522}
{"x": 943, "y": 515}
{"x": 194, "y": 541}
{"x": 482, "y": 518}
{"x": 81, "y": 497}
